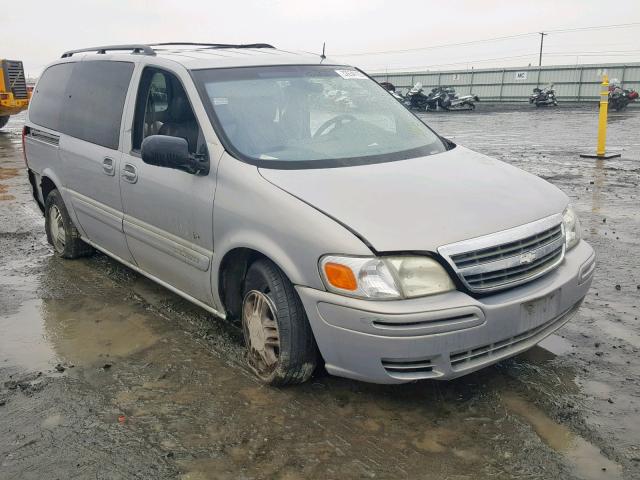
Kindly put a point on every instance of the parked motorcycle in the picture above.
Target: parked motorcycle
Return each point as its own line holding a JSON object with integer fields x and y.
{"x": 619, "y": 97}
{"x": 444, "y": 98}
{"x": 391, "y": 88}
{"x": 544, "y": 97}
{"x": 451, "y": 101}
{"x": 416, "y": 99}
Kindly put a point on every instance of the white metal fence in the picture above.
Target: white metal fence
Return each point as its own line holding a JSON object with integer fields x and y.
{"x": 578, "y": 83}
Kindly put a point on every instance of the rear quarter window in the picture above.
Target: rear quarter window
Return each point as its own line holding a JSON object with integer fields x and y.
{"x": 47, "y": 103}
{"x": 95, "y": 100}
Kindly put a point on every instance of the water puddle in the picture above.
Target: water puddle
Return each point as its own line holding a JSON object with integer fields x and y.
{"x": 585, "y": 458}
{"x": 556, "y": 345}
{"x": 551, "y": 347}
{"x": 79, "y": 331}
{"x": 86, "y": 331}
{"x": 23, "y": 339}
{"x": 436, "y": 440}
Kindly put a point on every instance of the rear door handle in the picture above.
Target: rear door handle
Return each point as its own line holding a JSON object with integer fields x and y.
{"x": 129, "y": 173}
{"x": 108, "y": 167}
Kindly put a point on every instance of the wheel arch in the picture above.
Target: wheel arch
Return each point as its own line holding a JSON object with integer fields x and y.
{"x": 46, "y": 187}
{"x": 49, "y": 181}
{"x": 232, "y": 270}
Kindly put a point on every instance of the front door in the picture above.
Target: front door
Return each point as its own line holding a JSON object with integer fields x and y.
{"x": 168, "y": 213}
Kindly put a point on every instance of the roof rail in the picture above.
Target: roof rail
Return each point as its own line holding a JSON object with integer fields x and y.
{"x": 135, "y": 48}
{"x": 145, "y": 49}
{"x": 213, "y": 45}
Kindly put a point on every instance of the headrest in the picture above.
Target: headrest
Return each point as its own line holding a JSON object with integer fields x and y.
{"x": 180, "y": 110}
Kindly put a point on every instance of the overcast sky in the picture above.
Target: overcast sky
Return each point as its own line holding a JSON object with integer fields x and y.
{"x": 40, "y": 32}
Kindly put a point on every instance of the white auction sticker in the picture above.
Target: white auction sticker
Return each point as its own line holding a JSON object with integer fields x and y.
{"x": 350, "y": 74}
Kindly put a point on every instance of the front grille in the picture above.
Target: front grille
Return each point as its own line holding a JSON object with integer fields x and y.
{"x": 508, "y": 346}
{"x": 508, "y": 258}
{"x": 14, "y": 78}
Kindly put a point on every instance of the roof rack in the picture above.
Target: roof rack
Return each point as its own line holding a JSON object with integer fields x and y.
{"x": 145, "y": 49}
{"x": 213, "y": 45}
{"x": 135, "y": 48}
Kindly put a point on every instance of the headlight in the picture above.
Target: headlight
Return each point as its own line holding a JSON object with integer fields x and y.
{"x": 571, "y": 227}
{"x": 384, "y": 277}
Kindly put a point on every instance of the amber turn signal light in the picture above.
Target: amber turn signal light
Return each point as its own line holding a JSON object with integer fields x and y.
{"x": 340, "y": 276}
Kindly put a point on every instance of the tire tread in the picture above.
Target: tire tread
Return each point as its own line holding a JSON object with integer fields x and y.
{"x": 299, "y": 362}
{"x": 74, "y": 247}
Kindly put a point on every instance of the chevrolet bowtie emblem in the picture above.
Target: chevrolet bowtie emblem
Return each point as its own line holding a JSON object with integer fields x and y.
{"x": 527, "y": 258}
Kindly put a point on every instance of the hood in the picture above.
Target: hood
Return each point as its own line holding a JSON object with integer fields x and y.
{"x": 425, "y": 202}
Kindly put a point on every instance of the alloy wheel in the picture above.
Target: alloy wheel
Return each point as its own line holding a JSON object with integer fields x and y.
{"x": 56, "y": 225}
{"x": 260, "y": 332}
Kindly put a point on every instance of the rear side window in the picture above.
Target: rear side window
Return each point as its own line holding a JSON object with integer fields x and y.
{"x": 46, "y": 105}
{"x": 95, "y": 100}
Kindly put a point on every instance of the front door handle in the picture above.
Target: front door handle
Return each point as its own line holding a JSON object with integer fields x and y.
{"x": 108, "y": 167}
{"x": 129, "y": 173}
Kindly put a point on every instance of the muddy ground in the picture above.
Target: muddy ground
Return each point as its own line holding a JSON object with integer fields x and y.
{"x": 104, "y": 375}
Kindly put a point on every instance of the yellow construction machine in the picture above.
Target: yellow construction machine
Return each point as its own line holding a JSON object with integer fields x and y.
{"x": 14, "y": 93}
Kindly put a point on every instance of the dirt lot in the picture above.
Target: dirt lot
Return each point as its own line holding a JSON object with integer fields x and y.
{"x": 105, "y": 375}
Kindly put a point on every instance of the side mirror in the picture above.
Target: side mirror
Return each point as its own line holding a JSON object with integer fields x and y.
{"x": 172, "y": 152}
{"x": 448, "y": 143}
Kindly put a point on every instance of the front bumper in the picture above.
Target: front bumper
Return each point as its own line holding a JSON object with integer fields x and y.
{"x": 443, "y": 336}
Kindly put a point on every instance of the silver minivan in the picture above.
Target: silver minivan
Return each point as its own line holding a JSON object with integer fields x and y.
{"x": 296, "y": 195}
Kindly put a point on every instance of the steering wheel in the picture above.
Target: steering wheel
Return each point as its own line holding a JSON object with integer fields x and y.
{"x": 337, "y": 121}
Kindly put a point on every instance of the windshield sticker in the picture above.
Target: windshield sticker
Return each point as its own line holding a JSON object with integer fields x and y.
{"x": 220, "y": 100}
{"x": 351, "y": 74}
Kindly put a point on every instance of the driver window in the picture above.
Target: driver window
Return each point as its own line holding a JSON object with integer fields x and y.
{"x": 162, "y": 108}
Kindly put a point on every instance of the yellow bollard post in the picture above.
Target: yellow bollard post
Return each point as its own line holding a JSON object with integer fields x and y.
{"x": 602, "y": 122}
{"x": 602, "y": 118}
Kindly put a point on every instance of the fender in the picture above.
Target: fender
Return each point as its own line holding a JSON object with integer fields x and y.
{"x": 265, "y": 245}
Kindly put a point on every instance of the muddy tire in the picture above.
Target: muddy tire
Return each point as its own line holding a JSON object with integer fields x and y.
{"x": 4, "y": 120}
{"x": 61, "y": 232}
{"x": 280, "y": 346}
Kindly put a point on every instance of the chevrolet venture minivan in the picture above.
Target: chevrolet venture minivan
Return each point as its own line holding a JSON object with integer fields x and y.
{"x": 295, "y": 194}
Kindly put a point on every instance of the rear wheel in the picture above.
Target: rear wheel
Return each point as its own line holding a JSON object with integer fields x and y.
{"x": 281, "y": 349}
{"x": 61, "y": 232}
{"x": 4, "y": 120}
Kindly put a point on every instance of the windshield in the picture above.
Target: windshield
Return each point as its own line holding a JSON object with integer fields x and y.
{"x": 285, "y": 116}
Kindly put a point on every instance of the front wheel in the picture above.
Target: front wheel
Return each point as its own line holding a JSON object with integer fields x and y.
{"x": 280, "y": 346}
{"x": 4, "y": 120}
